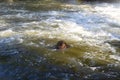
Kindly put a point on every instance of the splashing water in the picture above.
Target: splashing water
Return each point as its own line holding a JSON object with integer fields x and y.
{"x": 27, "y": 38}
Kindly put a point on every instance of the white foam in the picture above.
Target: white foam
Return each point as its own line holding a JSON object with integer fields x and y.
{"x": 109, "y": 10}
{"x": 7, "y": 33}
{"x": 33, "y": 44}
{"x": 115, "y": 57}
{"x": 65, "y": 30}
{"x": 3, "y": 23}
{"x": 93, "y": 68}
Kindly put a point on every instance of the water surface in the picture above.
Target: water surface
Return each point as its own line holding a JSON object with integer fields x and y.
{"x": 30, "y": 30}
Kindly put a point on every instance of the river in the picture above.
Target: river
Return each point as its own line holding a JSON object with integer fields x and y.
{"x": 29, "y": 31}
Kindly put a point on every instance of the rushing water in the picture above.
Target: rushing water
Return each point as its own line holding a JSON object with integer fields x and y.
{"x": 29, "y": 30}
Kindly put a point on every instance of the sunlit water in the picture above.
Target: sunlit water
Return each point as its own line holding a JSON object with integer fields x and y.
{"x": 29, "y": 31}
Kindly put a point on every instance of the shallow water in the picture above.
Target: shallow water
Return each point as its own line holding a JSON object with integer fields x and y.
{"x": 30, "y": 30}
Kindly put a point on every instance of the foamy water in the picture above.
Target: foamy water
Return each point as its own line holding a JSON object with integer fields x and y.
{"x": 92, "y": 26}
{"x": 87, "y": 28}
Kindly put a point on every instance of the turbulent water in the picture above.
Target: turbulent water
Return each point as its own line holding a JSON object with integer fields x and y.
{"x": 30, "y": 30}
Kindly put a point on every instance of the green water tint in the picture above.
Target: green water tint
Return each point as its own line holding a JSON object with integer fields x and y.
{"x": 54, "y": 5}
{"x": 44, "y": 5}
{"x": 75, "y": 61}
{"x": 83, "y": 53}
{"x": 36, "y": 55}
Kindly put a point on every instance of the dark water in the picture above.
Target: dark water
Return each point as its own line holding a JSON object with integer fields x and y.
{"x": 29, "y": 30}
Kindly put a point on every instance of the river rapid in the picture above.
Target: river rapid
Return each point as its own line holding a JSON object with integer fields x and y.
{"x": 29, "y": 31}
